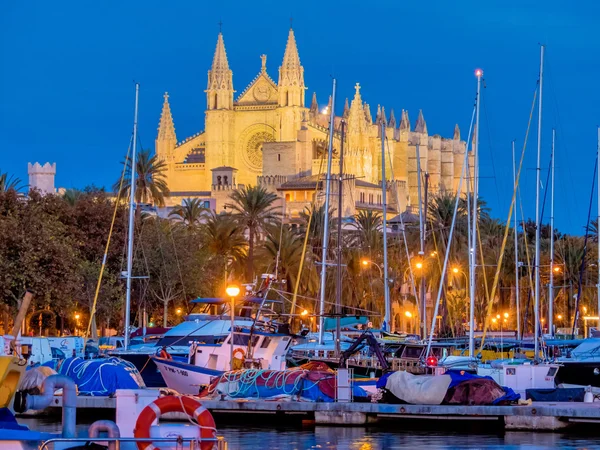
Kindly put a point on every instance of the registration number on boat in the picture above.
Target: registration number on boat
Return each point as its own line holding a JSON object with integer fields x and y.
{"x": 181, "y": 372}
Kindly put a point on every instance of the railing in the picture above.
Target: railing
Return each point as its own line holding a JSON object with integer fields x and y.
{"x": 220, "y": 442}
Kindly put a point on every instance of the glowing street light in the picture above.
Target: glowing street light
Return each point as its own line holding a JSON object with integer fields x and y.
{"x": 304, "y": 313}
{"x": 419, "y": 265}
{"x": 77, "y": 316}
{"x": 232, "y": 291}
{"x": 178, "y": 311}
{"x": 455, "y": 270}
{"x": 506, "y": 315}
{"x": 408, "y": 314}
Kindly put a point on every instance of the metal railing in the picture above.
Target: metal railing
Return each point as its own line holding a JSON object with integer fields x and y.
{"x": 220, "y": 442}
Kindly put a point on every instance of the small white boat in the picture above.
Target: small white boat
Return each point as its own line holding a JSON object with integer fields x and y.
{"x": 521, "y": 375}
{"x": 251, "y": 349}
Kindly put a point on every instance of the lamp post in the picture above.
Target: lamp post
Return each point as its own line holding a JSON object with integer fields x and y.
{"x": 366, "y": 262}
{"x": 232, "y": 291}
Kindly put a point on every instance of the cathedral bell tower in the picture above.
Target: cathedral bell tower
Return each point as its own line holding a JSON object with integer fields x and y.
{"x": 291, "y": 90}
{"x": 166, "y": 140}
{"x": 219, "y": 111}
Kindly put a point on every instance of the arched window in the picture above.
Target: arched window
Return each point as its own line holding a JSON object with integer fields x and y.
{"x": 287, "y": 197}
{"x": 225, "y": 180}
{"x": 218, "y": 180}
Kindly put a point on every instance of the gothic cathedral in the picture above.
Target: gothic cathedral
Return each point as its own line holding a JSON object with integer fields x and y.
{"x": 268, "y": 136}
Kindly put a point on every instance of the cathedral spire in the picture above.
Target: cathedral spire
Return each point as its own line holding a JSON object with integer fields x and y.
{"x": 421, "y": 126}
{"x": 220, "y": 79}
{"x": 456, "y": 133}
{"x": 357, "y": 121}
{"x": 166, "y": 127}
{"x": 392, "y": 121}
{"x": 404, "y": 122}
{"x": 314, "y": 106}
{"x": 166, "y": 140}
{"x": 346, "y": 109}
{"x": 291, "y": 75}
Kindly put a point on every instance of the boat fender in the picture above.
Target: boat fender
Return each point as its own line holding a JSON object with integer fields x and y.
{"x": 20, "y": 402}
{"x": 192, "y": 407}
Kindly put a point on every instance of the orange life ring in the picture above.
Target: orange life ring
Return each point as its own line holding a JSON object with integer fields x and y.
{"x": 172, "y": 403}
{"x": 163, "y": 353}
{"x": 239, "y": 350}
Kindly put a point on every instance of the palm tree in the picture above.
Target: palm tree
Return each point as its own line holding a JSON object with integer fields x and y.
{"x": 151, "y": 185}
{"x": 9, "y": 183}
{"x": 71, "y": 196}
{"x": 224, "y": 239}
{"x": 190, "y": 212}
{"x": 254, "y": 210}
{"x": 369, "y": 236}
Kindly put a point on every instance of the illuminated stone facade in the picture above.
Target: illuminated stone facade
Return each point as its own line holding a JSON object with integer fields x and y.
{"x": 269, "y": 136}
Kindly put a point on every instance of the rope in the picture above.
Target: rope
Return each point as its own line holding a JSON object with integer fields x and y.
{"x": 102, "y": 267}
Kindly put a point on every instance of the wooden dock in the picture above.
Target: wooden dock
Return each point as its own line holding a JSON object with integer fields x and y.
{"x": 537, "y": 416}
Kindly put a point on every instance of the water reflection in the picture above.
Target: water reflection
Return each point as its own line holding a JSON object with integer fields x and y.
{"x": 388, "y": 438}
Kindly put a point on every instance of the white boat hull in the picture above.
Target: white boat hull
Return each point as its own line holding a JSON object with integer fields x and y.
{"x": 184, "y": 378}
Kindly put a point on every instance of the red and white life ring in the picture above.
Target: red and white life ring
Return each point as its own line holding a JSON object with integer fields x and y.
{"x": 173, "y": 403}
{"x": 239, "y": 350}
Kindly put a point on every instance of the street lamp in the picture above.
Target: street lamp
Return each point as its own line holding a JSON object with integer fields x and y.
{"x": 366, "y": 262}
{"x": 232, "y": 291}
{"x": 178, "y": 311}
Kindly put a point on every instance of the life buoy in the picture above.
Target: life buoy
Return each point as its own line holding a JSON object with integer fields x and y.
{"x": 173, "y": 403}
{"x": 163, "y": 353}
{"x": 239, "y": 350}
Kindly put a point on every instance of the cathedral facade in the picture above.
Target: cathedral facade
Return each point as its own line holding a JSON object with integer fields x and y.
{"x": 268, "y": 136}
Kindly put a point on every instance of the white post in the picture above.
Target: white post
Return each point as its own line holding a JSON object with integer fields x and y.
{"x": 551, "y": 281}
{"x": 131, "y": 221}
{"x": 473, "y": 264}
{"x": 536, "y": 306}
{"x": 386, "y": 287}
{"x": 517, "y": 299}
{"x": 326, "y": 220}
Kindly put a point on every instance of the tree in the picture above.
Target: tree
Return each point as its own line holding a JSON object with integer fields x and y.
{"x": 254, "y": 209}
{"x": 190, "y": 212}
{"x": 9, "y": 183}
{"x": 224, "y": 241}
{"x": 151, "y": 184}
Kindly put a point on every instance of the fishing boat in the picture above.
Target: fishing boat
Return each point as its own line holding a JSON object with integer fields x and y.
{"x": 243, "y": 348}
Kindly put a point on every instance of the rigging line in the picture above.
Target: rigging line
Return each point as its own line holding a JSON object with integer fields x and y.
{"x": 487, "y": 122}
{"x": 104, "y": 258}
{"x": 318, "y": 186}
{"x": 529, "y": 265}
{"x": 507, "y": 227}
{"x": 282, "y": 295}
{"x": 585, "y": 241}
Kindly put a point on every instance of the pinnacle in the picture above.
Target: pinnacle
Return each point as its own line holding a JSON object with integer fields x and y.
{"x": 421, "y": 126}
{"x": 368, "y": 116}
{"x": 404, "y": 121}
{"x": 314, "y": 106}
{"x": 392, "y": 121}
{"x": 456, "y": 133}
{"x": 219, "y": 75}
{"x": 166, "y": 127}
{"x": 346, "y": 109}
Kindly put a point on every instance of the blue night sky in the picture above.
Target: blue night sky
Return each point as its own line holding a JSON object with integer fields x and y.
{"x": 68, "y": 69}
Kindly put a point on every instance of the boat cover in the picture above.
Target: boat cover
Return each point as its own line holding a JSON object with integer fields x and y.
{"x": 455, "y": 387}
{"x": 100, "y": 377}
{"x": 313, "y": 381}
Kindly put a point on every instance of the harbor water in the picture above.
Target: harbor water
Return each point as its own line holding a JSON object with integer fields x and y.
{"x": 380, "y": 438}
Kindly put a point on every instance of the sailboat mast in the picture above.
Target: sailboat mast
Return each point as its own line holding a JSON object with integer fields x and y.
{"x": 536, "y": 306}
{"x": 326, "y": 219}
{"x": 473, "y": 265}
{"x": 598, "y": 224}
{"x": 338, "y": 299}
{"x": 551, "y": 281}
{"x": 386, "y": 286}
{"x": 422, "y": 250}
{"x": 131, "y": 220}
{"x": 517, "y": 299}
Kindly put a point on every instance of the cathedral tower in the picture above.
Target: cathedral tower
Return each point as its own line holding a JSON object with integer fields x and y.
{"x": 291, "y": 75}
{"x": 220, "y": 116}
{"x": 219, "y": 92}
{"x": 166, "y": 140}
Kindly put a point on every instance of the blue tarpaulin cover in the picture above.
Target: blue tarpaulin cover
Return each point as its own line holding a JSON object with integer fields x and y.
{"x": 99, "y": 377}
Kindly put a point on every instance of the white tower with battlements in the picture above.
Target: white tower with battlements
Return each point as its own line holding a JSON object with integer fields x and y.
{"x": 42, "y": 177}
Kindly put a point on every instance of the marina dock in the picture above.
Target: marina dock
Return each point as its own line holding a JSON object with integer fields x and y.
{"x": 534, "y": 417}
